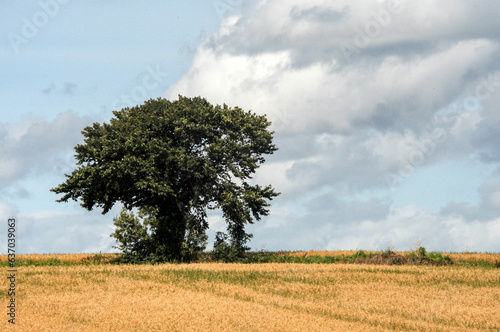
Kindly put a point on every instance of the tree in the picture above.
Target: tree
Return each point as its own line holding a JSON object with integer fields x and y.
{"x": 173, "y": 160}
{"x": 134, "y": 236}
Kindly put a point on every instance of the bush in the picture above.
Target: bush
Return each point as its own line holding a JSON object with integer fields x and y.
{"x": 421, "y": 252}
{"x": 438, "y": 257}
{"x": 222, "y": 250}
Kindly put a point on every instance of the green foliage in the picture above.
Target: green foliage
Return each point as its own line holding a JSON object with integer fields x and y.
{"x": 438, "y": 257}
{"x": 272, "y": 257}
{"x": 360, "y": 254}
{"x": 221, "y": 250}
{"x": 173, "y": 160}
{"x": 195, "y": 241}
{"x": 421, "y": 252}
{"x": 96, "y": 259}
{"x": 251, "y": 257}
{"x": 411, "y": 255}
{"x": 230, "y": 249}
{"x": 132, "y": 235}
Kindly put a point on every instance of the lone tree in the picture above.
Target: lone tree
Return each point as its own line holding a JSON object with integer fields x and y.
{"x": 173, "y": 160}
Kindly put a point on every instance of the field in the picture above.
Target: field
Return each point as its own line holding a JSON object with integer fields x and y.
{"x": 252, "y": 297}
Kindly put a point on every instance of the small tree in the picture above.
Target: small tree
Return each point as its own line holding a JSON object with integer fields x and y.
{"x": 222, "y": 250}
{"x": 173, "y": 161}
{"x": 130, "y": 233}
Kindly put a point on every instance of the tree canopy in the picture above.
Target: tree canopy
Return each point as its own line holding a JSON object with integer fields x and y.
{"x": 173, "y": 160}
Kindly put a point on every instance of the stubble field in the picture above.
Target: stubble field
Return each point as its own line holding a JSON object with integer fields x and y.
{"x": 255, "y": 297}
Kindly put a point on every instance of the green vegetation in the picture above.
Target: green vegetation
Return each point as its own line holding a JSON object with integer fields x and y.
{"x": 283, "y": 257}
{"x": 422, "y": 254}
{"x": 41, "y": 260}
{"x": 223, "y": 253}
{"x": 171, "y": 161}
{"x": 32, "y": 262}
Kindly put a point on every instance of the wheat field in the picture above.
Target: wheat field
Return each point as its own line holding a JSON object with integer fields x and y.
{"x": 255, "y": 297}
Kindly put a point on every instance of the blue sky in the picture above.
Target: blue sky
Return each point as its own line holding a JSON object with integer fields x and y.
{"x": 99, "y": 48}
{"x": 385, "y": 112}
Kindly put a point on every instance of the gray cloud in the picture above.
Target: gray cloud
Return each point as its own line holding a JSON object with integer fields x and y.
{"x": 402, "y": 229}
{"x": 48, "y": 90}
{"x": 485, "y": 139}
{"x": 488, "y": 207}
{"x": 68, "y": 89}
{"x": 65, "y": 232}
{"x": 317, "y": 31}
{"x": 360, "y": 95}
{"x": 317, "y": 14}
{"x": 38, "y": 146}
{"x": 330, "y": 209}
{"x": 398, "y": 96}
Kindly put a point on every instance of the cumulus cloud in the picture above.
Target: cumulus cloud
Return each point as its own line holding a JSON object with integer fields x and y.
{"x": 318, "y": 31}
{"x": 38, "y": 149}
{"x": 65, "y": 232}
{"x": 360, "y": 95}
{"x": 487, "y": 208}
{"x": 36, "y": 146}
{"x": 401, "y": 229}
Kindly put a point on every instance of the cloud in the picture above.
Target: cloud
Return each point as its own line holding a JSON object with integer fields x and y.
{"x": 48, "y": 90}
{"x": 400, "y": 230}
{"x": 360, "y": 96}
{"x": 69, "y": 89}
{"x": 315, "y": 31}
{"x": 36, "y": 146}
{"x": 488, "y": 207}
{"x": 8, "y": 210}
{"x": 65, "y": 232}
{"x": 485, "y": 138}
{"x": 322, "y": 97}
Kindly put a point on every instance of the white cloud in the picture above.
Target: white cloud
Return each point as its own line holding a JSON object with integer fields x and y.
{"x": 58, "y": 232}
{"x": 65, "y": 232}
{"x": 400, "y": 229}
{"x": 418, "y": 87}
{"x": 8, "y": 210}
{"x": 41, "y": 147}
{"x": 331, "y": 97}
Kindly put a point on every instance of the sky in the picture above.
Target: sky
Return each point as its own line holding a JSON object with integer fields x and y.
{"x": 385, "y": 112}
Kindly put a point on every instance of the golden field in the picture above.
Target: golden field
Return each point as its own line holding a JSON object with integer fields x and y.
{"x": 254, "y": 297}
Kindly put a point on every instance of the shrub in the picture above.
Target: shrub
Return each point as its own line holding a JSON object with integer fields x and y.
{"x": 421, "y": 252}
{"x": 222, "y": 250}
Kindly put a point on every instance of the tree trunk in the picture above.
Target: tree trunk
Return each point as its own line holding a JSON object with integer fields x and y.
{"x": 171, "y": 231}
